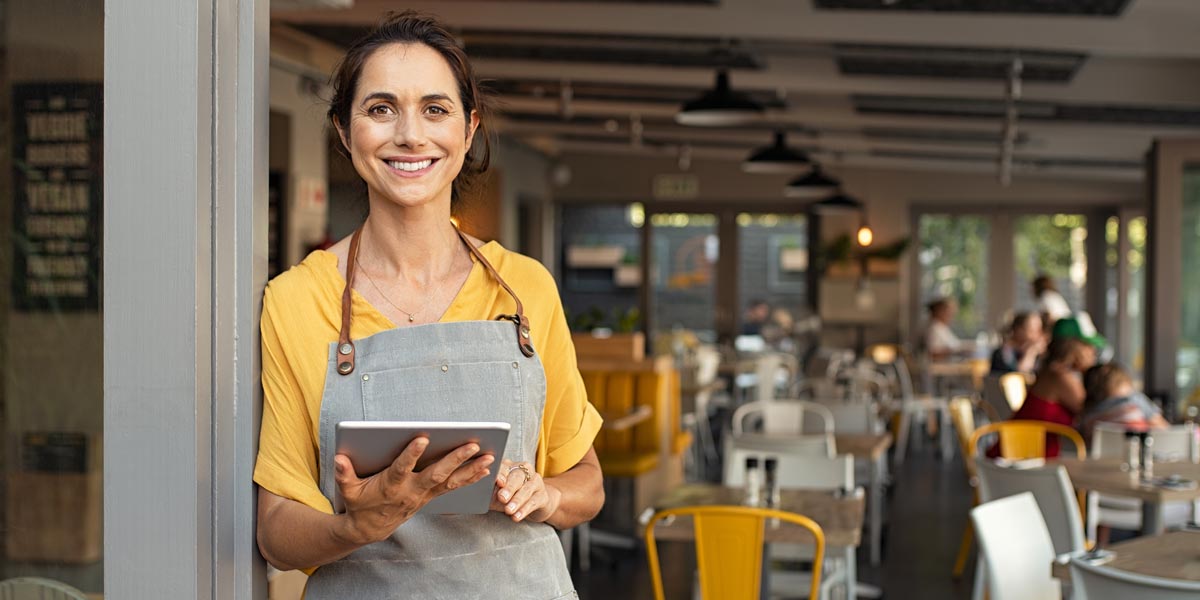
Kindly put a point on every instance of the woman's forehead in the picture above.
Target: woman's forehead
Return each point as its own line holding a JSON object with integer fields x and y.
{"x": 407, "y": 70}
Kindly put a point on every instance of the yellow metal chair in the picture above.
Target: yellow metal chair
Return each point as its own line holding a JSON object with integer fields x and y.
{"x": 962, "y": 414}
{"x": 729, "y": 549}
{"x": 1021, "y": 439}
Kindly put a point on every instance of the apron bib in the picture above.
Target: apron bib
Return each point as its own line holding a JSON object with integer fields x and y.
{"x": 461, "y": 371}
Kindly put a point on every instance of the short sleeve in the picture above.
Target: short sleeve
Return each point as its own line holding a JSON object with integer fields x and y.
{"x": 287, "y": 453}
{"x": 570, "y": 422}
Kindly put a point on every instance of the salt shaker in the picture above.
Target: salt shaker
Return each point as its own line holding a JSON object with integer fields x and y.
{"x": 1147, "y": 443}
{"x": 753, "y": 492}
{"x": 1132, "y": 451}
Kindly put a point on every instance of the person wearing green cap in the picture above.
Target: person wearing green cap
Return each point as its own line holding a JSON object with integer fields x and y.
{"x": 1078, "y": 326}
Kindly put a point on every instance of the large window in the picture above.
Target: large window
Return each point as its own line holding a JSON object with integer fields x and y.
{"x": 1187, "y": 374}
{"x": 684, "y": 273}
{"x": 51, "y": 388}
{"x": 953, "y": 257}
{"x": 773, "y": 261}
{"x": 1052, "y": 245}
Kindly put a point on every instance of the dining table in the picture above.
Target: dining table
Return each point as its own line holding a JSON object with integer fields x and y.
{"x": 838, "y": 513}
{"x": 1173, "y": 555}
{"x": 1171, "y": 482}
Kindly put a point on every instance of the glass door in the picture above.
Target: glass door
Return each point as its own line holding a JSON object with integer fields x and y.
{"x": 684, "y": 251}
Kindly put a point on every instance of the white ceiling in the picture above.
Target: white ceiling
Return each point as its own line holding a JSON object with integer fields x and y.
{"x": 1148, "y": 57}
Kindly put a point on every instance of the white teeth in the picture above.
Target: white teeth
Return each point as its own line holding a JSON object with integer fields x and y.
{"x": 410, "y": 166}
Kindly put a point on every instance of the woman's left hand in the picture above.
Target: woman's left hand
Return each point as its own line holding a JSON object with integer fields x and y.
{"x": 522, "y": 493}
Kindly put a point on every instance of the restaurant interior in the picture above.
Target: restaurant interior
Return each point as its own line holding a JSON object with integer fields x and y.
{"x": 792, "y": 239}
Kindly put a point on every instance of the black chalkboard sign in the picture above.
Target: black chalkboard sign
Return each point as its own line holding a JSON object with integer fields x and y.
{"x": 57, "y": 169}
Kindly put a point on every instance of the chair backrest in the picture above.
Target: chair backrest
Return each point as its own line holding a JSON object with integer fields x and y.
{"x": 892, "y": 356}
{"x": 962, "y": 414}
{"x": 1173, "y": 444}
{"x": 1099, "y": 582}
{"x": 1022, "y": 438}
{"x": 813, "y": 444}
{"x": 37, "y": 588}
{"x": 1017, "y": 550}
{"x": 1015, "y": 387}
{"x": 853, "y": 416}
{"x": 729, "y": 549}
{"x": 795, "y": 470}
{"x": 782, "y": 416}
{"x": 1051, "y": 488}
{"x": 995, "y": 400}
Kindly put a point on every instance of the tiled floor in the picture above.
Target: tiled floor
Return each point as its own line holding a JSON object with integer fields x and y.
{"x": 926, "y": 512}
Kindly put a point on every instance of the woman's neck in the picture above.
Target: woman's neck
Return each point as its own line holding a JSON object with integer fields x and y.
{"x": 417, "y": 244}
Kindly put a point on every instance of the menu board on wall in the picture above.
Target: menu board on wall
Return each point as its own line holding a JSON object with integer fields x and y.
{"x": 57, "y": 191}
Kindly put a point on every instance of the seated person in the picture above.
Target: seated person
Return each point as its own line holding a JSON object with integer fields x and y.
{"x": 1112, "y": 399}
{"x": 940, "y": 341}
{"x": 757, "y": 313}
{"x": 1058, "y": 393}
{"x": 1023, "y": 346}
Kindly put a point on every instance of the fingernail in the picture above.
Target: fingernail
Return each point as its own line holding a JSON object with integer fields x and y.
{"x": 511, "y": 506}
{"x": 518, "y": 516}
{"x": 504, "y": 496}
{"x": 472, "y": 449}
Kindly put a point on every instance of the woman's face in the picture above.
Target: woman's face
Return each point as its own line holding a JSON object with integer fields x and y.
{"x": 408, "y": 132}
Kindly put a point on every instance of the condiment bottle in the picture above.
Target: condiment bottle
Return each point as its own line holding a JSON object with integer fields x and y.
{"x": 753, "y": 483}
{"x": 772, "y": 465}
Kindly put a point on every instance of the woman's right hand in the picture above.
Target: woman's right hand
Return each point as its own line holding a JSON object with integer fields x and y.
{"x": 377, "y": 505}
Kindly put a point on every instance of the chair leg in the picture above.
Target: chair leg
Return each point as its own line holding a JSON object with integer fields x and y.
{"x": 964, "y": 551}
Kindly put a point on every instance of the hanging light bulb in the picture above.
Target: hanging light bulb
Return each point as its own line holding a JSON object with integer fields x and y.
{"x": 865, "y": 235}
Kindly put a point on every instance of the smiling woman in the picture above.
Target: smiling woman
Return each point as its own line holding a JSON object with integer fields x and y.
{"x": 480, "y": 326}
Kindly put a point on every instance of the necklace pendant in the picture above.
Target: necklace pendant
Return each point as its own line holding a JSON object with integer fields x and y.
{"x": 412, "y": 318}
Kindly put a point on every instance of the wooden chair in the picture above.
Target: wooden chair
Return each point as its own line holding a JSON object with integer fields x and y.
{"x": 729, "y": 549}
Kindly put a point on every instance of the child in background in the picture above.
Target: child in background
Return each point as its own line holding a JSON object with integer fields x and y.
{"x": 1112, "y": 399}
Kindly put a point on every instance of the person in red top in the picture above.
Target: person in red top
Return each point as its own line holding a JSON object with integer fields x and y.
{"x": 1057, "y": 395}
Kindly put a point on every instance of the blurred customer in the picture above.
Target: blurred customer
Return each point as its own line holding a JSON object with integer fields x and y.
{"x": 1050, "y": 303}
{"x": 1079, "y": 326}
{"x": 1024, "y": 345}
{"x": 757, "y": 313}
{"x": 1112, "y": 399}
{"x": 940, "y": 341}
{"x": 1058, "y": 393}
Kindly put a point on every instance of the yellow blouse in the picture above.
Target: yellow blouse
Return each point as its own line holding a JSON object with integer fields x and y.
{"x": 300, "y": 318}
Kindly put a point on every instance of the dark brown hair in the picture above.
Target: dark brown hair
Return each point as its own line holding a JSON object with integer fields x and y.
{"x": 411, "y": 27}
{"x": 1042, "y": 283}
{"x": 1100, "y": 380}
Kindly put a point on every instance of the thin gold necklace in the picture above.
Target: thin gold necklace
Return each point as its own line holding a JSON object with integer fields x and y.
{"x": 412, "y": 316}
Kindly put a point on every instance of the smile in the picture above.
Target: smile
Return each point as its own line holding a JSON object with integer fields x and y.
{"x": 410, "y": 167}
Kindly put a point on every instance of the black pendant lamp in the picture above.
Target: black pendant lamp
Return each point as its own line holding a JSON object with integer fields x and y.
{"x": 811, "y": 184}
{"x": 776, "y": 158}
{"x": 720, "y": 106}
{"x": 839, "y": 203}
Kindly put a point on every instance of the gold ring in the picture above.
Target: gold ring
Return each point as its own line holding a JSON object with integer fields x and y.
{"x": 523, "y": 468}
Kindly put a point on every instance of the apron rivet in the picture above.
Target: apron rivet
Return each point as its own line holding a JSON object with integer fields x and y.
{"x": 345, "y": 368}
{"x": 366, "y": 377}
{"x": 445, "y": 368}
{"x": 345, "y": 349}
{"x": 525, "y": 332}
{"x": 516, "y": 365}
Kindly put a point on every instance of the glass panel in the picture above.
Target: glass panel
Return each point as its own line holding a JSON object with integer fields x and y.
{"x": 772, "y": 266}
{"x": 954, "y": 261}
{"x": 1054, "y": 245}
{"x": 51, "y": 391}
{"x": 683, "y": 273}
{"x": 1135, "y": 297}
{"x": 601, "y": 270}
{"x": 1187, "y": 375}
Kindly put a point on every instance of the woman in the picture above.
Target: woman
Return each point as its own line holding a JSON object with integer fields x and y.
{"x": 409, "y": 319}
{"x": 940, "y": 341}
{"x": 1023, "y": 347}
{"x": 1057, "y": 394}
{"x": 1111, "y": 398}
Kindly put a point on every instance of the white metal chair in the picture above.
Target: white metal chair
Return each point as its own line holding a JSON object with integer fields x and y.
{"x": 1099, "y": 582}
{"x": 1016, "y": 548}
{"x": 1051, "y": 488}
{"x": 801, "y": 472}
{"x": 1177, "y": 443}
{"x": 782, "y": 416}
{"x": 819, "y": 444}
{"x": 854, "y": 417}
{"x": 37, "y": 588}
{"x": 697, "y": 387}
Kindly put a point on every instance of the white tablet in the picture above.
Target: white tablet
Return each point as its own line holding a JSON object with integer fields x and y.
{"x": 373, "y": 445}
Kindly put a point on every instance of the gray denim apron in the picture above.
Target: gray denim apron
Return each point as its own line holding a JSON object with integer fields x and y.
{"x": 462, "y": 371}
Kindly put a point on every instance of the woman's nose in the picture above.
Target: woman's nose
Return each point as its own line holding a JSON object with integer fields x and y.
{"x": 409, "y": 131}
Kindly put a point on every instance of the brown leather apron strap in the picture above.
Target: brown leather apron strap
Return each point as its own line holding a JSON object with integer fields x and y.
{"x": 345, "y": 347}
{"x": 524, "y": 336}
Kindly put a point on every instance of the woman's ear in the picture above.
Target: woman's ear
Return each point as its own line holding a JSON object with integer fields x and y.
{"x": 472, "y": 125}
{"x": 342, "y": 135}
